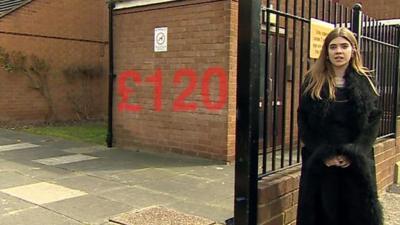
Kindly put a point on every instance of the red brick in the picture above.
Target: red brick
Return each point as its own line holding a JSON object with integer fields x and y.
{"x": 197, "y": 42}
{"x": 290, "y": 215}
{"x": 278, "y": 220}
{"x": 378, "y": 11}
{"x": 275, "y": 207}
{"x": 46, "y": 28}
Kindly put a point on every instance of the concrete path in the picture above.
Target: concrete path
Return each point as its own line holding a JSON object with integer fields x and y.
{"x": 49, "y": 181}
{"x": 391, "y": 205}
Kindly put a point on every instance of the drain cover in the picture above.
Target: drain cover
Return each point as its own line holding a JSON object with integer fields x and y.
{"x": 159, "y": 216}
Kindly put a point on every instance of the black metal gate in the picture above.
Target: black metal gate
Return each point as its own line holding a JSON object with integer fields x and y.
{"x": 273, "y": 55}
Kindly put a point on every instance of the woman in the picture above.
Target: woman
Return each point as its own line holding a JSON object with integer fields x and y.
{"x": 338, "y": 120}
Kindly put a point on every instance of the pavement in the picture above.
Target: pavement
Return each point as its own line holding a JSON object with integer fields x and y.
{"x": 391, "y": 205}
{"x": 50, "y": 181}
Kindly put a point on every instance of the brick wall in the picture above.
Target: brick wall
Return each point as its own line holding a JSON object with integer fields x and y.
{"x": 277, "y": 198}
{"x": 201, "y": 34}
{"x": 65, "y": 33}
{"x": 278, "y": 193}
{"x": 382, "y": 9}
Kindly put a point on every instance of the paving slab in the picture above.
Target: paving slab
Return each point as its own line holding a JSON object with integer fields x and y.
{"x": 89, "y": 184}
{"x": 123, "y": 180}
{"x": 102, "y": 167}
{"x": 177, "y": 184}
{"x": 52, "y": 161}
{"x": 12, "y": 179}
{"x": 140, "y": 197}
{"x": 110, "y": 223}
{"x": 43, "y": 192}
{"x": 159, "y": 216}
{"x": 11, "y": 166}
{"x": 145, "y": 175}
{"x": 151, "y": 159}
{"x": 18, "y": 146}
{"x": 214, "y": 172}
{"x": 48, "y": 173}
{"x": 85, "y": 150}
{"x": 9, "y": 205}
{"x": 224, "y": 203}
{"x": 203, "y": 210}
{"x": 89, "y": 209}
{"x": 189, "y": 187}
{"x": 32, "y": 154}
{"x": 391, "y": 204}
{"x": 37, "y": 216}
{"x": 6, "y": 141}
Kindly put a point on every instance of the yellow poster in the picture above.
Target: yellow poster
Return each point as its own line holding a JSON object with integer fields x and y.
{"x": 318, "y": 31}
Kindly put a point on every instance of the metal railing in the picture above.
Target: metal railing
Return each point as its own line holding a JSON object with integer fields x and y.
{"x": 271, "y": 65}
{"x": 379, "y": 45}
{"x": 285, "y": 39}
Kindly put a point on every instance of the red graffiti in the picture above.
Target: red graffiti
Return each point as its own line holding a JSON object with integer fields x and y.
{"x": 180, "y": 103}
{"x": 124, "y": 91}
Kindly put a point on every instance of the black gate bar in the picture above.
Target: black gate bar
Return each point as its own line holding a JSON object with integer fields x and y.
{"x": 248, "y": 92}
{"x": 396, "y": 96}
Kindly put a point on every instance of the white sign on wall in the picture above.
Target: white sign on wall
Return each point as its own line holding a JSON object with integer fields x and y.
{"x": 160, "y": 39}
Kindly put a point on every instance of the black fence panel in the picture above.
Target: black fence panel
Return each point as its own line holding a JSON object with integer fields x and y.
{"x": 284, "y": 53}
{"x": 285, "y": 58}
{"x": 286, "y": 45}
{"x": 379, "y": 45}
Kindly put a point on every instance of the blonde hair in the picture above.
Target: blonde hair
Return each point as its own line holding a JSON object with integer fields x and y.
{"x": 322, "y": 71}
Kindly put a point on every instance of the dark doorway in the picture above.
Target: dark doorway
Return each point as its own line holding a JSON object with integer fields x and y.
{"x": 276, "y": 79}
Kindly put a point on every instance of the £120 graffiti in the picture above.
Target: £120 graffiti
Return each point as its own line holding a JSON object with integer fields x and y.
{"x": 180, "y": 103}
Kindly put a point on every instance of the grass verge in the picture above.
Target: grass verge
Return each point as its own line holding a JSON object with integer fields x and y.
{"x": 93, "y": 132}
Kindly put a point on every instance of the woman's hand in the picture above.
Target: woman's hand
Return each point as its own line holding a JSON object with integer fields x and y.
{"x": 340, "y": 161}
{"x": 343, "y": 161}
{"x": 333, "y": 161}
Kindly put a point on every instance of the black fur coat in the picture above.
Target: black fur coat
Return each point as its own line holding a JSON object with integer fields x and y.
{"x": 333, "y": 195}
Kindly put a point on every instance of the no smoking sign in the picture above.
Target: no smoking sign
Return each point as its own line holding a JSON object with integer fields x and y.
{"x": 160, "y": 39}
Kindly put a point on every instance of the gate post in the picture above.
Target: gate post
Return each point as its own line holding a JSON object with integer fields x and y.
{"x": 397, "y": 80}
{"x": 248, "y": 77}
{"x": 111, "y": 76}
{"x": 357, "y": 22}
